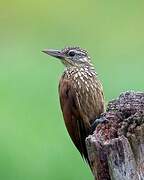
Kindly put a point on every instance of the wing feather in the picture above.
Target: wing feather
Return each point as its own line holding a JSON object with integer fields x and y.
{"x": 73, "y": 120}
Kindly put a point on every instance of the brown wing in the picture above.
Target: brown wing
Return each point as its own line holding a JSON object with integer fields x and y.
{"x": 73, "y": 121}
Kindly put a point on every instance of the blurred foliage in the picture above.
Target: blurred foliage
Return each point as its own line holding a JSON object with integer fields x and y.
{"x": 34, "y": 143}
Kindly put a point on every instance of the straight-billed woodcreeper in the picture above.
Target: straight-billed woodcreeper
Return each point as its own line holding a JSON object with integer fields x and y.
{"x": 80, "y": 92}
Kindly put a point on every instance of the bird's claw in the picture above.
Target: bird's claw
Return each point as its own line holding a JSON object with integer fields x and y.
{"x": 96, "y": 122}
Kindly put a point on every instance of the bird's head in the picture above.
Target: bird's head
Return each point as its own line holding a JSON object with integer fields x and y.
{"x": 70, "y": 56}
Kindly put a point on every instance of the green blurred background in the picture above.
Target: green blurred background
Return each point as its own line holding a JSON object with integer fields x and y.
{"x": 34, "y": 143}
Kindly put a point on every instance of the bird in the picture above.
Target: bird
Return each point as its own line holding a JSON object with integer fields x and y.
{"x": 80, "y": 93}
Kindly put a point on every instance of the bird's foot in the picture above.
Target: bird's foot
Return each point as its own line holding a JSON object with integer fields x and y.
{"x": 96, "y": 122}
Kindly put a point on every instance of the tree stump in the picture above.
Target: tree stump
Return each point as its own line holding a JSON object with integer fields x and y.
{"x": 116, "y": 147}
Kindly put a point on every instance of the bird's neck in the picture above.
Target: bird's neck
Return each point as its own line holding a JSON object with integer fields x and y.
{"x": 85, "y": 69}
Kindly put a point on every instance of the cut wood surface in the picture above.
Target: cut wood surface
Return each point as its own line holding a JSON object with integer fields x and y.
{"x": 116, "y": 147}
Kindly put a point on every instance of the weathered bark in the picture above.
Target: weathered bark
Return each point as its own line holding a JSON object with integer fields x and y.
{"x": 116, "y": 148}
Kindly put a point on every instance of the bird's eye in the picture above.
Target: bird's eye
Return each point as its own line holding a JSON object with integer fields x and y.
{"x": 71, "y": 53}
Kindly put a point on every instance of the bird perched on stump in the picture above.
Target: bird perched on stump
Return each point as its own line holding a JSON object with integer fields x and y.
{"x": 81, "y": 94}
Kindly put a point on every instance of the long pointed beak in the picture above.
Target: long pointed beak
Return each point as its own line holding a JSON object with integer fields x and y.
{"x": 54, "y": 53}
